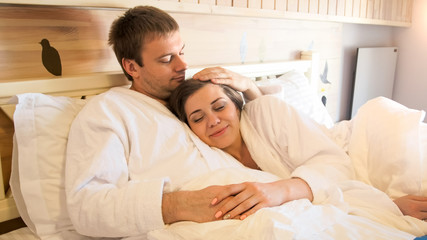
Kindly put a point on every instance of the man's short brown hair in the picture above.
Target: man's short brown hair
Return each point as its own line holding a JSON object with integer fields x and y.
{"x": 136, "y": 26}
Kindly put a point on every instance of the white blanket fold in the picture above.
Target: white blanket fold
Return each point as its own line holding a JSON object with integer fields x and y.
{"x": 386, "y": 149}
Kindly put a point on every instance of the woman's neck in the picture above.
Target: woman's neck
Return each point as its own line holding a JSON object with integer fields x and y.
{"x": 240, "y": 151}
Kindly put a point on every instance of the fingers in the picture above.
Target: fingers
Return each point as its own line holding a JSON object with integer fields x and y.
{"x": 212, "y": 73}
{"x": 245, "y": 208}
{"x": 249, "y": 195}
{"x": 251, "y": 211}
{"x": 227, "y": 191}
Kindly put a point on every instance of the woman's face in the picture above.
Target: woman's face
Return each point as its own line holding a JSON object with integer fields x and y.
{"x": 213, "y": 117}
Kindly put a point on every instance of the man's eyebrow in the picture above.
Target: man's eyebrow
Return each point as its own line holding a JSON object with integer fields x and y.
{"x": 169, "y": 54}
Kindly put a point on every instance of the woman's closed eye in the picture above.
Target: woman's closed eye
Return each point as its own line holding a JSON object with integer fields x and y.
{"x": 198, "y": 117}
{"x": 219, "y": 106}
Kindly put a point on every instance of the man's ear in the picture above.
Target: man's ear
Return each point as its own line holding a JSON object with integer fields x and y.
{"x": 130, "y": 67}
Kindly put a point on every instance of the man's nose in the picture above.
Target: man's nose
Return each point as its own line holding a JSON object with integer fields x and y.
{"x": 181, "y": 64}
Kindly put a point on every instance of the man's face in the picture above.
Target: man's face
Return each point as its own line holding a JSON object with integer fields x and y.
{"x": 163, "y": 67}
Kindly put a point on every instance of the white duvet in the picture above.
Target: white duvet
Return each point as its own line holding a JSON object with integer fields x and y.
{"x": 294, "y": 220}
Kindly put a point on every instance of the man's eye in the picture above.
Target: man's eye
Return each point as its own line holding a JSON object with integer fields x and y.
{"x": 166, "y": 60}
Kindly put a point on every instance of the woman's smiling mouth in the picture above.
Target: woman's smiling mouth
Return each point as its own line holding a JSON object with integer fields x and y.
{"x": 220, "y": 132}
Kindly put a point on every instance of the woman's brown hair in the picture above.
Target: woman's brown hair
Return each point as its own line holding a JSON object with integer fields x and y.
{"x": 181, "y": 94}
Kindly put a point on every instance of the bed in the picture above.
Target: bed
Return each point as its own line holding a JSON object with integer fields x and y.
{"x": 46, "y": 107}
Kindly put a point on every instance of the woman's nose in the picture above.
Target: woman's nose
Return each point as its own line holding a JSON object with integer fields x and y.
{"x": 213, "y": 120}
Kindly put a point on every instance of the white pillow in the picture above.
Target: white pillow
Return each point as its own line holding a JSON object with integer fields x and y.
{"x": 294, "y": 88}
{"x": 387, "y": 147}
{"x": 42, "y": 124}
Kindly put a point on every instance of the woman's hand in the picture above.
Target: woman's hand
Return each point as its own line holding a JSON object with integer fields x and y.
{"x": 249, "y": 197}
{"x": 219, "y": 75}
{"x": 415, "y": 206}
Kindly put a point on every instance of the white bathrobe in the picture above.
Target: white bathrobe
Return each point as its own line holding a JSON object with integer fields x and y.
{"x": 286, "y": 143}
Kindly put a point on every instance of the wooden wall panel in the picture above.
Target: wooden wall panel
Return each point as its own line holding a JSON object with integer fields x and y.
{"x": 370, "y": 9}
{"x": 377, "y": 9}
{"x": 363, "y": 8}
{"x": 224, "y": 3}
{"x": 407, "y": 10}
{"x": 281, "y": 5}
{"x": 76, "y": 33}
{"x": 267, "y": 4}
{"x": 240, "y": 3}
{"x": 6, "y": 136}
{"x": 323, "y": 7}
{"x": 292, "y": 6}
{"x": 188, "y": 1}
{"x": 256, "y": 4}
{"x": 303, "y": 6}
{"x": 208, "y": 2}
{"x": 313, "y": 6}
{"x": 348, "y": 11}
{"x": 356, "y": 8}
{"x": 341, "y": 7}
{"x": 332, "y": 8}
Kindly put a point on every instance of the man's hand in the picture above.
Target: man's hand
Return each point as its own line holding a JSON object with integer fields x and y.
{"x": 191, "y": 205}
{"x": 415, "y": 206}
{"x": 219, "y": 75}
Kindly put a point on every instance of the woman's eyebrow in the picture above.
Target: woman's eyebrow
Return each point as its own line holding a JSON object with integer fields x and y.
{"x": 195, "y": 111}
{"x": 216, "y": 100}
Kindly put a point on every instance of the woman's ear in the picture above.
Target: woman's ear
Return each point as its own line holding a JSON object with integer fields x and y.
{"x": 130, "y": 66}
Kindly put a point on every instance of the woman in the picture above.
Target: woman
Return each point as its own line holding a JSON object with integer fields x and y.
{"x": 266, "y": 134}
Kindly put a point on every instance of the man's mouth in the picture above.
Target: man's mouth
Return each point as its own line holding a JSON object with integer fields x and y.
{"x": 179, "y": 79}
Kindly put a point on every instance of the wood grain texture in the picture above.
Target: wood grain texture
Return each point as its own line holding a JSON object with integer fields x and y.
{"x": 76, "y": 33}
{"x": 6, "y": 135}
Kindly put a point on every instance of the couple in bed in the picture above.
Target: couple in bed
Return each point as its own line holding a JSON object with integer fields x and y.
{"x": 128, "y": 156}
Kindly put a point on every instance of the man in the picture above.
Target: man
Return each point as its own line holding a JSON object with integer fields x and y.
{"x": 128, "y": 154}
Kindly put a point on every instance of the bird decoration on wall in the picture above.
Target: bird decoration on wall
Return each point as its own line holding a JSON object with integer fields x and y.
{"x": 324, "y": 76}
{"x": 50, "y": 58}
{"x": 324, "y": 79}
